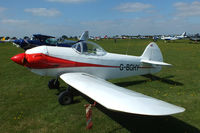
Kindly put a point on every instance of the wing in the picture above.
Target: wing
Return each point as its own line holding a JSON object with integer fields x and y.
{"x": 117, "y": 98}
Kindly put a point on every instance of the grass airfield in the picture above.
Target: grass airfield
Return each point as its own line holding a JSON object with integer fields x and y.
{"x": 27, "y": 105}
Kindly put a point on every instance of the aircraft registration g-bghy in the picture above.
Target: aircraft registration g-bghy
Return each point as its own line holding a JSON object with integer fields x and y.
{"x": 86, "y": 66}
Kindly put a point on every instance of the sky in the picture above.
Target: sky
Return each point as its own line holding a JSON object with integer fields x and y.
{"x": 99, "y": 17}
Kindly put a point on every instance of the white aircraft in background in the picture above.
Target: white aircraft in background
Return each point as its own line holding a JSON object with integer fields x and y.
{"x": 86, "y": 66}
{"x": 169, "y": 38}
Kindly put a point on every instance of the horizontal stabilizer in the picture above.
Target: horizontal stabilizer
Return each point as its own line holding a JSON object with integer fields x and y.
{"x": 155, "y": 62}
{"x": 117, "y": 98}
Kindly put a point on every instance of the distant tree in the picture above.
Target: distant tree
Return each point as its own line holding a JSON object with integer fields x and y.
{"x": 64, "y": 37}
{"x": 14, "y": 38}
{"x": 26, "y": 38}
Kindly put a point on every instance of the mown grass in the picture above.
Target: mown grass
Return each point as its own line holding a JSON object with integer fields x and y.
{"x": 27, "y": 105}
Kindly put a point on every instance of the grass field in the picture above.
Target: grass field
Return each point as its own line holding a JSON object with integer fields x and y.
{"x": 27, "y": 105}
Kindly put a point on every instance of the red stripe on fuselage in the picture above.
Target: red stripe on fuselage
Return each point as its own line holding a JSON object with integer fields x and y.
{"x": 42, "y": 61}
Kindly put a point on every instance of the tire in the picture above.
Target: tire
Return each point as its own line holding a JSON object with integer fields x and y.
{"x": 53, "y": 84}
{"x": 65, "y": 98}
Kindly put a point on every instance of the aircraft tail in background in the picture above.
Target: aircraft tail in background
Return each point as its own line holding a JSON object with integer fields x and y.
{"x": 84, "y": 36}
{"x": 184, "y": 34}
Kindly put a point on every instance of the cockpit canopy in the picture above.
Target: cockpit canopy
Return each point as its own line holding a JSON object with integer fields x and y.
{"x": 51, "y": 41}
{"x": 88, "y": 48}
{"x": 55, "y": 41}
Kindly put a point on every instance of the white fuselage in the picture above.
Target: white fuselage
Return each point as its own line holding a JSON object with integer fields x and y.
{"x": 106, "y": 66}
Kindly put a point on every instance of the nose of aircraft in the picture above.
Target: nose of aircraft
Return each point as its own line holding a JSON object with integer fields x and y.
{"x": 19, "y": 58}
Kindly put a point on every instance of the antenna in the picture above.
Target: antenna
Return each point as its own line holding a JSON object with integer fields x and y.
{"x": 127, "y": 47}
{"x": 115, "y": 42}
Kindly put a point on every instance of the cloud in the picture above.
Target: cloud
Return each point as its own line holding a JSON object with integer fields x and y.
{"x": 21, "y": 28}
{"x": 70, "y": 1}
{"x": 144, "y": 26}
{"x": 43, "y": 12}
{"x": 187, "y": 9}
{"x": 13, "y": 21}
{"x": 133, "y": 7}
{"x": 2, "y": 9}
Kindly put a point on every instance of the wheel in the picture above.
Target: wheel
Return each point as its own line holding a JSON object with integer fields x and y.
{"x": 65, "y": 98}
{"x": 53, "y": 84}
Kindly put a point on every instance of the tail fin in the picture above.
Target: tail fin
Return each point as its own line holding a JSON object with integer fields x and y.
{"x": 184, "y": 34}
{"x": 152, "y": 55}
{"x": 84, "y": 36}
{"x": 152, "y": 52}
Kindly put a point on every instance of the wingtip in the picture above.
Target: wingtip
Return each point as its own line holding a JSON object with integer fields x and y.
{"x": 181, "y": 109}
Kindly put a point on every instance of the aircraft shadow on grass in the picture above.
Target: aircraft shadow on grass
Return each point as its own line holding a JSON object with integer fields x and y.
{"x": 152, "y": 78}
{"x": 164, "y": 80}
{"x": 148, "y": 124}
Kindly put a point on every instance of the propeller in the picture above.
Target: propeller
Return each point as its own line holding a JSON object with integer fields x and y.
{"x": 20, "y": 59}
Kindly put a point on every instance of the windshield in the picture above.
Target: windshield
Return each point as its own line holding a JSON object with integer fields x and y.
{"x": 89, "y": 48}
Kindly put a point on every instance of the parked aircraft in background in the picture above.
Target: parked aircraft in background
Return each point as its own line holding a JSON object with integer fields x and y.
{"x": 196, "y": 37}
{"x": 105, "y": 37}
{"x": 3, "y": 40}
{"x": 182, "y": 36}
{"x": 86, "y": 66}
{"x": 169, "y": 38}
{"x": 39, "y": 40}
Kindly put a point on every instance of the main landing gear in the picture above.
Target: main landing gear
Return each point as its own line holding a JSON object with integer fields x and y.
{"x": 66, "y": 97}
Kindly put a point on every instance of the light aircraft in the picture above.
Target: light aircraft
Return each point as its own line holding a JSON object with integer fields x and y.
{"x": 40, "y": 39}
{"x": 86, "y": 67}
{"x": 169, "y": 38}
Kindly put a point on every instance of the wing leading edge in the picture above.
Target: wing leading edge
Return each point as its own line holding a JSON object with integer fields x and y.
{"x": 117, "y": 98}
